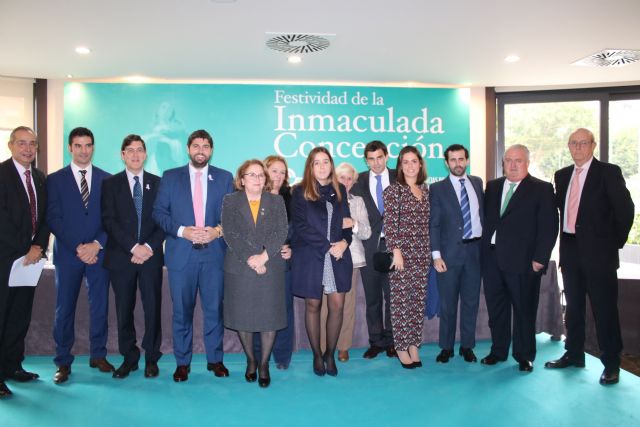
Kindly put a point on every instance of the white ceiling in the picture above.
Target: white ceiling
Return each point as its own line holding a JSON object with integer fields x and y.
{"x": 454, "y": 42}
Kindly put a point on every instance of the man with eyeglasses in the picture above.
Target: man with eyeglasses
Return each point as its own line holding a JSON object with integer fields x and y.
{"x": 188, "y": 208}
{"x": 596, "y": 215}
{"x": 134, "y": 256}
{"x": 23, "y": 233}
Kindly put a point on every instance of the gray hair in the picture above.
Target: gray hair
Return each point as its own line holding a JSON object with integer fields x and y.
{"x": 517, "y": 147}
{"x": 346, "y": 167}
{"x": 12, "y": 135}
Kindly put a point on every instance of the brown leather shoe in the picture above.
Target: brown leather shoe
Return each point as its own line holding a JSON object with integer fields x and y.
{"x": 23, "y": 376}
{"x": 62, "y": 374}
{"x": 219, "y": 370}
{"x": 101, "y": 364}
{"x": 343, "y": 355}
{"x": 182, "y": 373}
{"x": 151, "y": 370}
{"x": 391, "y": 352}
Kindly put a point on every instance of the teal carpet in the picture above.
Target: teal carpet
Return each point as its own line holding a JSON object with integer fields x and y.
{"x": 366, "y": 393}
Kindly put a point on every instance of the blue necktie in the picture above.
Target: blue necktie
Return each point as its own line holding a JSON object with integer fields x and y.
{"x": 137, "y": 201}
{"x": 466, "y": 211}
{"x": 379, "y": 198}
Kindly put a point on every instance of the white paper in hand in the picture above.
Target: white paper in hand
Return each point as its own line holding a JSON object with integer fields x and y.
{"x": 25, "y": 275}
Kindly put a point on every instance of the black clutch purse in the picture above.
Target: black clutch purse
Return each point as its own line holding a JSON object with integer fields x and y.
{"x": 382, "y": 262}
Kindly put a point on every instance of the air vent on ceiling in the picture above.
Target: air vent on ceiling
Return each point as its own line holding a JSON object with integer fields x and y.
{"x": 610, "y": 58}
{"x": 298, "y": 43}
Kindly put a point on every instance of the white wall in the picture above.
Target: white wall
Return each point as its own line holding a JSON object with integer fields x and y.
{"x": 16, "y": 108}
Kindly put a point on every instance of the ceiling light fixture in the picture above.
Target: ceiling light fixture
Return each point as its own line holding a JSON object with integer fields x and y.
{"x": 512, "y": 58}
{"x": 136, "y": 79}
{"x": 294, "y": 59}
{"x": 83, "y": 50}
{"x": 69, "y": 76}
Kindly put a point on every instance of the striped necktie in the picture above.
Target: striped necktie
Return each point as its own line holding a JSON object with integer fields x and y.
{"x": 466, "y": 211}
{"x": 84, "y": 189}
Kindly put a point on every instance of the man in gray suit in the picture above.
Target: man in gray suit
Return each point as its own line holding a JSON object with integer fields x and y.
{"x": 455, "y": 228}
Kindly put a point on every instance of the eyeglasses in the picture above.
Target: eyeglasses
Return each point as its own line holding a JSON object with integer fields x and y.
{"x": 138, "y": 150}
{"x": 252, "y": 175}
{"x": 25, "y": 144}
{"x": 582, "y": 144}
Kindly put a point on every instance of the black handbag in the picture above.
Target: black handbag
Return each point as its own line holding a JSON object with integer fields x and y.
{"x": 382, "y": 262}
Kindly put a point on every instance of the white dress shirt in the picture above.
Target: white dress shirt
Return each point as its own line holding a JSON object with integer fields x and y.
{"x": 203, "y": 181}
{"x": 76, "y": 175}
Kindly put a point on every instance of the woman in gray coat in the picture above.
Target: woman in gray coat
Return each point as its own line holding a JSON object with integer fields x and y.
{"x": 255, "y": 228}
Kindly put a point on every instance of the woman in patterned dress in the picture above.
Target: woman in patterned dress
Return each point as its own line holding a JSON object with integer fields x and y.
{"x": 321, "y": 260}
{"x": 406, "y": 227}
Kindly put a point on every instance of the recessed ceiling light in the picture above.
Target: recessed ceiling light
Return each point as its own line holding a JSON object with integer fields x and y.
{"x": 512, "y": 58}
{"x": 136, "y": 79}
{"x": 82, "y": 50}
{"x": 294, "y": 59}
{"x": 69, "y": 76}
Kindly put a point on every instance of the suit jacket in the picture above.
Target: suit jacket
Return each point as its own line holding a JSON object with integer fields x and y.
{"x": 446, "y": 225}
{"x": 69, "y": 220}
{"x": 120, "y": 221}
{"x": 605, "y": 214}
{"x": 173, "y": 208}
{"x": 361, "y": 188}
{"x": 246, "y": 238}
{"x": 528, "y": 228}
{"x": 15, "y": 214}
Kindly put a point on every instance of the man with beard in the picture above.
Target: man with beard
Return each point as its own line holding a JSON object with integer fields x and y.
{"x": 188, "y": 209}
{"x": 456, "y": 228}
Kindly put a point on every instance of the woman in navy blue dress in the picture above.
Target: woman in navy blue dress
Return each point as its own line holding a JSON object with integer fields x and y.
{"x": 321, "y": 261}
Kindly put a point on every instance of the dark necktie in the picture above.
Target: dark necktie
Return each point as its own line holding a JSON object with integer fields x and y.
{"x": 466, "y": 211}
{"x": 84, "y": 189}
{"x": 32, "y": 201}
{"x": 379, "y": 198}
{"x": 137, "y": 201}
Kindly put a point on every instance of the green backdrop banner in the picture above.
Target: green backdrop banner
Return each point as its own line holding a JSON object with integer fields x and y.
{"x": 254, "y": 121}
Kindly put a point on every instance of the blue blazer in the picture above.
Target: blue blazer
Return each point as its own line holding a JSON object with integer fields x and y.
{"x": 446, "y": 225}
{"x": 69, "y": 220}
{"x": 173, "y": 208}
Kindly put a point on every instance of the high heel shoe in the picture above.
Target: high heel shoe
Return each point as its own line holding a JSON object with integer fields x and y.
{"x": 330, "y": 364}
{"x": 411, "y": 365}
{"x": 251, "y": 377}
{"x": 264, "y": 380}
{"x": 417, "y": 364}
{"x": 319, "y": 371}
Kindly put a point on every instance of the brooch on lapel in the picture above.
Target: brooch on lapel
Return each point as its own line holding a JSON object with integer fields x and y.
{"x": 210, "y": 177}
{"x": 262, "y": 211}
{"x": 148, "y": 187}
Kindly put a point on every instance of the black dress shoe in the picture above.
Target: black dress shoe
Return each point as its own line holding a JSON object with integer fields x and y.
{"x": 564, "y": 362}
{"x": 525, "y": 366}
{"x": 4, "y": 390}
{"x": 124, "y": 370}
{"x": 102, "y": 364}
{"x": 610, "y": 376}
{"x": 491, "y": 359}
{"x": 250, "y": 373}
{"x": 468, "y": 355}
{"x": 417, "y": 364}
{"x": 407, "y": 365}
{"x": 182, "y": 373}
{"x": 264, "y": 379}
{"x": 391, "y": 351}
{"x": 318, "y": 366}
{"x": 62, "y": 374}
{"x": 444, "y": 356}
{"x": 218, "y": 369}
{"x": 372, "y": 352}
{"x": 330, "y": 365}
{"x": 23, "y": 376}
{"x": 151, "y": 370}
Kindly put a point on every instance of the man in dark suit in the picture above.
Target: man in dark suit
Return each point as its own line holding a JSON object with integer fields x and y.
{"x": 596, "y": 214}
{"x": 457, "y": 212}
{"x": 370, "y": 186}
{"x": 23, "y": 232}
{"x": 133, "y": 255}
{"x": 520, "y": 229}
{"x": 74, "y": 215}
{"x": 188, "y": 208}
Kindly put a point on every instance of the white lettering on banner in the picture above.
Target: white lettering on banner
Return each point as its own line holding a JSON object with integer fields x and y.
{"x": 286, "y": 145}
{"x": 344, "y": 123}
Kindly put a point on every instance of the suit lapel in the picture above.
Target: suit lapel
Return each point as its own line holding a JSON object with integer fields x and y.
{"x": 590, "y": 186}
{"x": 72, "y": 185}
{"x": 147, "y": 192}
{"x": 185, "y": 182}
{"x": 452, "y": 197}
{"x": 519, "y": 194}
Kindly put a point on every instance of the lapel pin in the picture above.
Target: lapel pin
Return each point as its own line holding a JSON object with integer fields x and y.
{"x": 147, "y": 187}
{"x": 210, "y": 177}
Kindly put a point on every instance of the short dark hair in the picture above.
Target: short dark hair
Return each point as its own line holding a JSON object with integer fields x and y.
{"x": 375, "y": 146}
{"x": 456, "y": 147}
{"x": 422, "y": 175}
{"x": 200, "y": 133}
{"x": 80, "y": 131}
{"x": 128, "y": 140}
